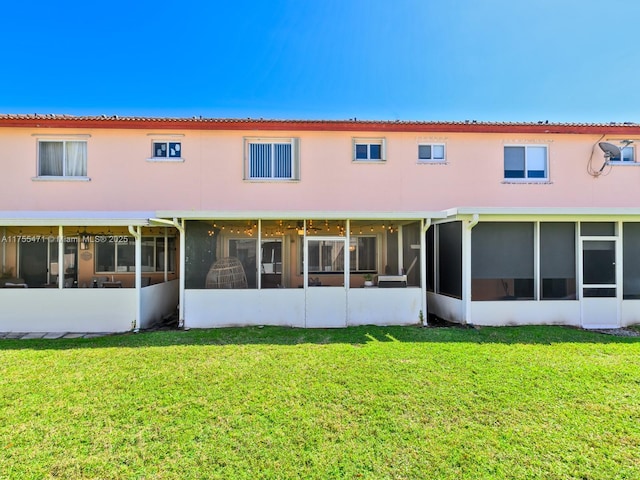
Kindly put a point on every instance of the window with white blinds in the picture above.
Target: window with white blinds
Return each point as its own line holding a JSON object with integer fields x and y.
{"x": 271, "y": 159}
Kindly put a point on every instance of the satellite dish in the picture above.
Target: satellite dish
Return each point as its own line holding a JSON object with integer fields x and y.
{"x": 610, "y": 150}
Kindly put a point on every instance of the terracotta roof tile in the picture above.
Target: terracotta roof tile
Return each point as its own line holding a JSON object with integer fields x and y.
{"x": 352, "y": 124}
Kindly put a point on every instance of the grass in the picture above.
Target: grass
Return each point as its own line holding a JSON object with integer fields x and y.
{"x": 367, "y": 402}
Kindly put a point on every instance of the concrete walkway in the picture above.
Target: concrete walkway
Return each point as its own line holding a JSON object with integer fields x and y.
{"x": 49, "y": 335}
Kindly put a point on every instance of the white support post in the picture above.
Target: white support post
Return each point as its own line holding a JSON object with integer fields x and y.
{"x": 305, "y": 268}
{"x": 347, "y": 257}
{"x": 181, "y": 305}
{"x": 60, "y": 257}
{"x": 424, "y": 226}
{"x": 259, "y": 254}
{"x": 166, "y": 254}
{"x": 137, "y": 235}
{"x": 305, "y": 258}
{"x": 537, "y": 281}
{"x": 400, "y": 252}
{"x": 466, "y": 266}
{"x": 4, "y": 250}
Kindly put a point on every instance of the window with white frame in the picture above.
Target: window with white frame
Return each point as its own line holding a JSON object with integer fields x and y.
{"x": 369, "y": 150}
{"x": 362, "y": 254}
{"x": 271, "y": 159}
{"x": 526, "y": 162}
{"x": 431, "y": 153}
{"x": 116, "y": 254}
{"x": 627, "y": 155}
{"x": 166, "y": 150}
{"x": 62, "y": 158}
{"x": 328, "y": 256}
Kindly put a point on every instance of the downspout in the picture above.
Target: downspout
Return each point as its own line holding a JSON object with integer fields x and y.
{"x": 135, "y": 232}
{"x": 474, "y": 221}
{"x": 466, "y": 258}
{"x": 426, "y": 223}
{"x": 178, "y": 225}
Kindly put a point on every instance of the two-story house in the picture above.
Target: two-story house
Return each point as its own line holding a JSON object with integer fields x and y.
{"x": 109, "y": 223}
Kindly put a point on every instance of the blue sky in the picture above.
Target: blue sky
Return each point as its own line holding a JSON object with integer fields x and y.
{"x": 511, "y": 60}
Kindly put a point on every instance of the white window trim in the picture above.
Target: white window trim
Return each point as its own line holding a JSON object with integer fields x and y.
{"x": 44, "y": 137}
{"x": 378, "y": 244}
{"x": 52, "y": 178}
{"x": 526, "y": 146}
{"x": 627, "y": 163}
{"x": 369, "y": 141}
{"x": 131, "y": 241}
{"x": 166, "y": 139}
{"x": 357, "y": 250}
{"x": 295, "y": 159}
{"x": 432, "y": 160}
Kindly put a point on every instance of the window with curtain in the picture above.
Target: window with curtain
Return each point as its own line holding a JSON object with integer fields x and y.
{"x": 62, "y": 158}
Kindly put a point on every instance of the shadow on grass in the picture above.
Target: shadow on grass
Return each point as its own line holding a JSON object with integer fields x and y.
{"x": 534, "y": 335}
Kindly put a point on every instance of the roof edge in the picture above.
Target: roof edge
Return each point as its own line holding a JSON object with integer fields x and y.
{"x": 351, "y": 125}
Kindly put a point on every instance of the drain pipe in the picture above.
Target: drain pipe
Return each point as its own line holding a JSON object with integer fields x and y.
{"x": 136, "y": 233}
{"x": 474, "y": 221}
{"x": 178, "y": 225}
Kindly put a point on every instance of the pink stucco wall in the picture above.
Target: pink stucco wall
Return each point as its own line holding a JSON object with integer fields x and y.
{"x": 211, "y": 177}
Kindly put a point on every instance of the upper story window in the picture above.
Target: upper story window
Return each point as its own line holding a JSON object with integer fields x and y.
{"x": 166, "y": 147}
{"x": 167, "y": 150}
{"x": 369, "y": 149}
{"x": 627, "y": 155}
{"x": 431, "y": 153}
{"x": 271, "y": 159}
{"x": 62, "y": 158}
{"x": 526, "y": 162}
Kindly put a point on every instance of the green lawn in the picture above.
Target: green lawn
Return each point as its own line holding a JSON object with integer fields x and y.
{"x": 367, "y": 402}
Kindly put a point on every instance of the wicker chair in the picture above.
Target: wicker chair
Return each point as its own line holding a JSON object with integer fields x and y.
{"x": 226, "y": 273}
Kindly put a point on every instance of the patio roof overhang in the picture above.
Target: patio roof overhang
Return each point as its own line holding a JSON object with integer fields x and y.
{"x": 544, "y": 213}
{"x": 74, "y": 218}
{"x": 297, "y": 215}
